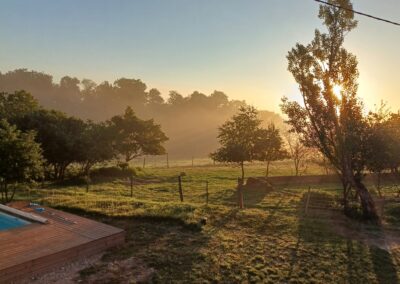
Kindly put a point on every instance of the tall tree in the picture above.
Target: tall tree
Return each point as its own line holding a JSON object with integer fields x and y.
{"x": 238, "y": 138}
{"x": 330, "y": 121}
{"x": 20, "y": 159}
{"x": 299, "y": 153}
{"x": 135, "y": 137}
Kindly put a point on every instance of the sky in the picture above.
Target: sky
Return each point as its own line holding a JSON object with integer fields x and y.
{"x": 236, "y": 46}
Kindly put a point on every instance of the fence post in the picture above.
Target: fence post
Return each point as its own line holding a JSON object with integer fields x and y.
{"x": 207, "y": 192}
{"x": 144, "y": 162}
{"x": 180, "y": 187}
{"x": 240, "y": 193}
{"x": 192, "y": 161}
{"x": 167, "y": 161}
{"x": 308, "y": 199}
{"x": 131, "y": 180}
{"x": 87, "y": 179}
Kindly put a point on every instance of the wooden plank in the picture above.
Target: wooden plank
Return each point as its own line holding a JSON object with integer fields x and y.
{"x": 37, "y": 248}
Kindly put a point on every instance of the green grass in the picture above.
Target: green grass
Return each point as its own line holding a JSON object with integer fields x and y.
{"x": 271, "y": 241}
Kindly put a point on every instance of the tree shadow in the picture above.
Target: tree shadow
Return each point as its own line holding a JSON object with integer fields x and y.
{"x": 252, "y": 195}
{"x": 384, "y": 267}
{"x": 168, "y": 247}
{"x": 321, "y": 228}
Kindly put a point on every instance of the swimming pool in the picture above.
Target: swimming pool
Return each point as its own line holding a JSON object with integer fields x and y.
{"x": 10, "y": 222}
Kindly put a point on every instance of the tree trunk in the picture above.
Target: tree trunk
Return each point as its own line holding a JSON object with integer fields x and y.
{"x": 379, "y": 175}
{"x": 13, "y": 193}
{"x": 367, "y": 203}
{"x": 296, "y": 167}
{"x": 267, "y": 173}
{"x": 242, "y": 167}
{"x": 346, "y": 190}
{"x": 6, "y": 192}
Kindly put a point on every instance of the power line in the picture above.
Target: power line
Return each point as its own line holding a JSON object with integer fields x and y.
{"x": 356, "y": 12}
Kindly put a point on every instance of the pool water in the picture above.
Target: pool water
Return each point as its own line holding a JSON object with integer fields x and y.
{"x": 9, "y": 222}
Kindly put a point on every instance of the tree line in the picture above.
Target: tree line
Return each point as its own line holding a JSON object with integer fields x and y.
{"x": 37, "y": 143}
{"x": 189, "y": 120}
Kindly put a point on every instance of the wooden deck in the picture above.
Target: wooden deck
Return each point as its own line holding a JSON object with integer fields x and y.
{"x": 37, "y": 248}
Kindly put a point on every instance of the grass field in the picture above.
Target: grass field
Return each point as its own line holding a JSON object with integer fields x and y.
{"x": 272, "y": 240}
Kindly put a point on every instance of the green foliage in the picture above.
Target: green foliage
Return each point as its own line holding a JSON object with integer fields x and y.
{"x": 243, "y": 140}
{"x": 269, "y": 146}
{"x": 20, "y": 158}
{"x": 95, "y": 145}
{"x": 17, "y": 104}
{"x": 113, "y": 172}
{"x": 60, "y": 137}
{"x": 182, "y": 116}
{"x": 238, "y": 138}
{"x": 134, "y": 137}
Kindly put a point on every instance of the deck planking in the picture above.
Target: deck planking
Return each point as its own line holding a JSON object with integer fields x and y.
{"x": 37, "y": 248}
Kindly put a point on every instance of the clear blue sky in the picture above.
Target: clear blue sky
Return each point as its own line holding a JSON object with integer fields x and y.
{"x": 235, "y": 46}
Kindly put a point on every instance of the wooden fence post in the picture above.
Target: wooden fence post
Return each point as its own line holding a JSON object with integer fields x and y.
{"x": 240, "y": 193}
{"x": 180, "y": 187}
{"x": 131, "y": 180}
{"x": 308, "y": 199}
{"x": 87, "y": 184}
{"x": 207, "y": 192}
{"x": 167, "y": 161}
{"x": 144, "y": 162}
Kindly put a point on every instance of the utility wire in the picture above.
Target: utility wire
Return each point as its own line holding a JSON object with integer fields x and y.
{"x": 356, "y": 12}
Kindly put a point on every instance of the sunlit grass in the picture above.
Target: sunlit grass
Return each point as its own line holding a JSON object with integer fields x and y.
{"x": 271, "y": 241}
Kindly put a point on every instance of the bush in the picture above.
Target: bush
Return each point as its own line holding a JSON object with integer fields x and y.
{"x": 113, "y": 172}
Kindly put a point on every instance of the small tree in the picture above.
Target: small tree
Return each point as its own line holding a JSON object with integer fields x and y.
{"x": 298, "y": 152}
{"x": 270, "y": 146}
{"x": 238, "y": 138}
{"x": 20, "y": 159}
{"x": 135, "y": 137}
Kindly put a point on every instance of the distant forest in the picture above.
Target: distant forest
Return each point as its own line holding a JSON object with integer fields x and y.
{"x": 191, "y": 122}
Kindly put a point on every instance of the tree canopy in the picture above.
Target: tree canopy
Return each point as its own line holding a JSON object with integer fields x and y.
{"x": 269, "y": 146}
{"x": 184, "y": 118}
{"x": 243, "y": 140}
{"x": 135, "y": 137}
{"x": 20, "y": 158}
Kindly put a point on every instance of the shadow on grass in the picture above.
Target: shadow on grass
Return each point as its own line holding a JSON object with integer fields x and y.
{"x": 384, "y": 267}
{"x": 317, "y": 236}
{"x": 168, "y": 246}
{"x": 252, "y": 196}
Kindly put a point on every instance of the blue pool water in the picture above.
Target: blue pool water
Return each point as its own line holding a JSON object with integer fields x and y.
{"x": 9, "y": 222}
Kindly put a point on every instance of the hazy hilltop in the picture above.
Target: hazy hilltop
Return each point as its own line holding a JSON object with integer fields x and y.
{"x": 190, "y": 122}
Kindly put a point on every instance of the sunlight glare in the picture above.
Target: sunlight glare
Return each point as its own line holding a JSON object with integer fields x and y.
{"x": 337, "y": 90}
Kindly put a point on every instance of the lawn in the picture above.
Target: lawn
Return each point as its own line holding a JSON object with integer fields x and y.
{"x": 273, "y": 240}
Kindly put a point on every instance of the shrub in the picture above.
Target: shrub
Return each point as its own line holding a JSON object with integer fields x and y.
{"x": 113, "y": 172}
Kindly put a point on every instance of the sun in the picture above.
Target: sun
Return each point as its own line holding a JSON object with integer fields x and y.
{"x": 337, "y": 90}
